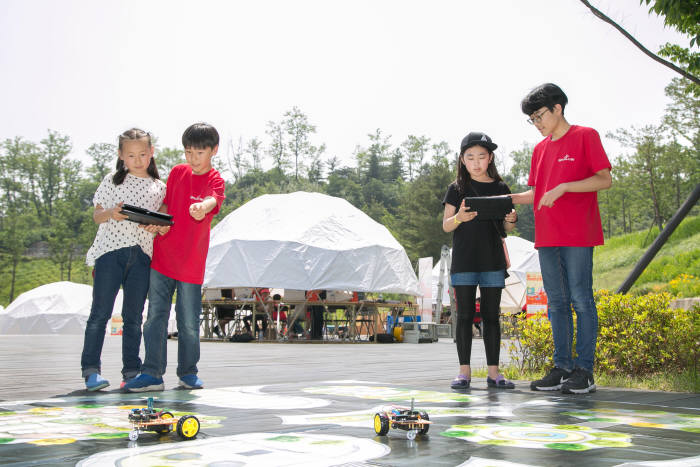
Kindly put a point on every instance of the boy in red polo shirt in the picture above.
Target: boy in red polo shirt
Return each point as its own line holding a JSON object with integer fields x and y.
{"x": 193, "y": 196}
{"x": 569, "y": 166}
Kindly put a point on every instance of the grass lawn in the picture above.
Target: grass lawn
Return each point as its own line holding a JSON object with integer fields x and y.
{"x": 671, "y": 381}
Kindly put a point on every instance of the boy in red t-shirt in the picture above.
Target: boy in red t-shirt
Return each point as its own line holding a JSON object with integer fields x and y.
{"x": 193, "y": 196}
{"x": 569, "y": 166}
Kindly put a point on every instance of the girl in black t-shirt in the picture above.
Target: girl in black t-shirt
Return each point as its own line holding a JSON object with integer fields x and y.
{"x": 477, "y": 255}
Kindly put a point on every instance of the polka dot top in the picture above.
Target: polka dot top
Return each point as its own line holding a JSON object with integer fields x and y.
{"x": 147, "y": 193}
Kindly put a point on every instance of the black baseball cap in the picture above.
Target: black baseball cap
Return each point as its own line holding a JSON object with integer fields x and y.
{"x": 477, "y": 138}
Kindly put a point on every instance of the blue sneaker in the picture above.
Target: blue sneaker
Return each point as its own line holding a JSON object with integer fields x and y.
{"x": 95, "y": 382}
{"x": 144, "y": 383}
{"x": 191, "y": 382}
{"x": 126, "y": 380}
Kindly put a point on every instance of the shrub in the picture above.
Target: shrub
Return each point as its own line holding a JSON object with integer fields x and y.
{"x": 665, "y": 268}
{"x": 642, "y": 335}
{"x": 637, "y": 336}
{"x": 531, "y": 346}
{"x": 685, "y": 285}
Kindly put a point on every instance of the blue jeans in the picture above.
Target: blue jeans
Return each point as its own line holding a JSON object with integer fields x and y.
{"x": 128, "y": 267}
{"x": 483, "y": 279}
{"x": 567, "y": 274}
{"x": 188, "y": 307}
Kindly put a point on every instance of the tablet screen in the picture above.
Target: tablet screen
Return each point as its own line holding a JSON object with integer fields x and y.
{"x": 490, "y": 207}
{"x": 144, "y": 216}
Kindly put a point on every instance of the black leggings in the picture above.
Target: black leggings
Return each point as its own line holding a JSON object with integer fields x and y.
{"x": 490, "y": 310}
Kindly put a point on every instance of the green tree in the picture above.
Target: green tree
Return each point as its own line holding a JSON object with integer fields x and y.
{"x": 278, "y": 148}
{"x": 314, "y": 171}
{"x": 418, "y": 221}
{"x": 20, "y": 230}
{"x": 254, "y": 149}
{"x": 371, "y": 160}
{"x": 414, "y": 150}
{"x": 646, "y": 163}
{"x": 299, "y": 131}
{"x": 166, "y": 159}
{"x": 12, "y": 175}
{"x": 332, "y": 163}
{"x": 104, "y": 156}
{"x": 235, "y": 161}
{"x": 684, "y": 17}
{"x": 64, "y": 244}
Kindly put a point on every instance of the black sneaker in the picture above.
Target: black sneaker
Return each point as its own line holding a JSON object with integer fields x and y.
{"x": 580, "y": 382}
{"x": 552, "y": 381}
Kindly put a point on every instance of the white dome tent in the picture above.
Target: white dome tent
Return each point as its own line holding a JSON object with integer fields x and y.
{"x": 306, "y": 241}
{"x": 57, "y": 308}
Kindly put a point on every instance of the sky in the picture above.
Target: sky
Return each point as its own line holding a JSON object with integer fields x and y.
{"x": 92, "y": 69}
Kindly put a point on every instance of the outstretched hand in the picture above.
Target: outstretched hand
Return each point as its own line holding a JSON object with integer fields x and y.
{"x": 198, "y": 211}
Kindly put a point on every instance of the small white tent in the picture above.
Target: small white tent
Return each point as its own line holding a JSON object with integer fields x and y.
{"x": 56, "y": 308}
{"x": 523, "y": 259}
{"x": 306, "y": 241}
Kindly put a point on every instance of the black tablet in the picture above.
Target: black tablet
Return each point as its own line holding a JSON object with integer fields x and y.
{"x": 144, "y": 216}
{"x": 490, "y": 207}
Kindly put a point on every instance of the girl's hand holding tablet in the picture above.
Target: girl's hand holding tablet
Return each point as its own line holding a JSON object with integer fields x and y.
{"x": 464, "y": 214}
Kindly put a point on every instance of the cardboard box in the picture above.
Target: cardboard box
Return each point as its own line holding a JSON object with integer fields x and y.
{"x": 243, "y": 293}
{"x": 294, "y": 295}
{"x": 212, "y": 294}
{"x": 338, "y": 296}
{"x": 411, "y": 337}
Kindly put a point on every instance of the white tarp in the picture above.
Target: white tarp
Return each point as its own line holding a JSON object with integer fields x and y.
{"x": 523, "y": 259}
{"x": 57, "y": 308}
{"x": 306, "y": 241}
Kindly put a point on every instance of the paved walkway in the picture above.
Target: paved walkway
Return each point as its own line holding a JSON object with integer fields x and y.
{"x": 313, "y": 404}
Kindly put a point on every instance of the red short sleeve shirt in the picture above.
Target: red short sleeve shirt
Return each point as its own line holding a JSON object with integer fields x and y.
{"x": 181, "y": 254}
{"x": 574, "y": 220}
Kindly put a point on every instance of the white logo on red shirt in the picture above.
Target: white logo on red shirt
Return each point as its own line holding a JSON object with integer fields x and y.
{"x": 566, "y": 158}
{"x": 196, "y": 198}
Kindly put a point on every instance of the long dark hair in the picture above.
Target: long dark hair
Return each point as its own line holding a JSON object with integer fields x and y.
{"x": 134, "y": 134}
{"x": 464, "y": 180}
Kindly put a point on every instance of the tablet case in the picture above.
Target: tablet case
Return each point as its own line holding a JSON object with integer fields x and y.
{"x": 144, "y": 216}
{"x": 490, "y": 207}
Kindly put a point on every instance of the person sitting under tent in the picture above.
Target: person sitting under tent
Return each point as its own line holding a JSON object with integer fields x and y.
{"x": 259, "y": 315}
{"x": 316, "y": 312}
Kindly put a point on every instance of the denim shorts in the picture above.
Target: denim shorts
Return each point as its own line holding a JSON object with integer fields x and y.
{"x": 483, "y": 279}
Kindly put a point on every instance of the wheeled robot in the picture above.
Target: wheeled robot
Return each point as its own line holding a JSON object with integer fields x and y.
{"x": 414, "y": 422}
{"x": 160, "y": 421}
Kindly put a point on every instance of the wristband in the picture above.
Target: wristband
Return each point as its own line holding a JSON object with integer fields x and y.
{"x": 457, "y": 221}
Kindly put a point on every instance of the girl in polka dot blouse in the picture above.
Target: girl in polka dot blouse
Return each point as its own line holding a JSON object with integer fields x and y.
{"x": 121, "y": 254}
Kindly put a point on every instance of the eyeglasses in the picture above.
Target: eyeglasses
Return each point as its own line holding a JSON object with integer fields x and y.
{"x": 537, "y": 118}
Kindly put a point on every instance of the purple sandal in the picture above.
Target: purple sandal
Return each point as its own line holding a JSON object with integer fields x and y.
{"x": 460, "y": 382}
{"x": 500, "y": 383}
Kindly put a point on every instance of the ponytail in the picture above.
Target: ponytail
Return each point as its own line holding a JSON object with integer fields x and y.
{"x": 120, "y": 174}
